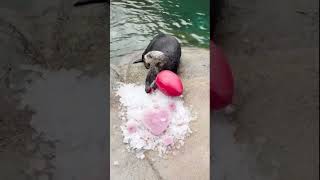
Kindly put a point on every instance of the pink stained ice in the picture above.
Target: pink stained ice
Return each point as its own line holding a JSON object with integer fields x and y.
{"x": 137, "y": 106}
{"x": 172, "y": 106}
{"x": 131, "y": 127}
{"x": 156, "y": 121}
{"x": 167, "y": 140}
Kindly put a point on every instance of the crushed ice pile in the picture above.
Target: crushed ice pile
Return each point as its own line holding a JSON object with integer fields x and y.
{"x": 152, "y": 121}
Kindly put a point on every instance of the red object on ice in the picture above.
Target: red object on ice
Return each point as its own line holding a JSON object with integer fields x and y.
{"x": 169, "y": 83}
{"x": 156, "y": 121}
{"x": 221, "y": 79}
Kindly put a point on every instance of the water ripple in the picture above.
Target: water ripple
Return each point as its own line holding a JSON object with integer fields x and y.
{"x": 135, "y": 22}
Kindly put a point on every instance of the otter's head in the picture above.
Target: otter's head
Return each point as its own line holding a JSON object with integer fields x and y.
{"x": 155, "y": 61}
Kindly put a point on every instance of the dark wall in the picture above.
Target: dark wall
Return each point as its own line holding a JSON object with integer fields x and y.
{"x": 215, "y": 13}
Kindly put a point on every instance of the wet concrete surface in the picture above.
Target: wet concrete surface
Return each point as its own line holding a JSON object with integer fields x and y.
{"x": 68, "y": 124}
{"x": 71, "y": 112}
{"x": 273, "y": 48}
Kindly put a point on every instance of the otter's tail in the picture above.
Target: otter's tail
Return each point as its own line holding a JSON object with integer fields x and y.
{"x": 87, "y": 2}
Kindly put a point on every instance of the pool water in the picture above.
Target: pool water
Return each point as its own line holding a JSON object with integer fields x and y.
{"x": 135, "y": 22}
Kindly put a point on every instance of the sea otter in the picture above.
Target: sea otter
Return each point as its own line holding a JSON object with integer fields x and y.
{"x": 162, "y": 53}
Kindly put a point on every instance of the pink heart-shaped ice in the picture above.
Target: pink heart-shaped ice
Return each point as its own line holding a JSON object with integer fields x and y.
{"x": 156, "y": 121}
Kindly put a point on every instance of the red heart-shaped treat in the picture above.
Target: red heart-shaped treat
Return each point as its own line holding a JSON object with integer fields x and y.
{"x": 169, "y": 83}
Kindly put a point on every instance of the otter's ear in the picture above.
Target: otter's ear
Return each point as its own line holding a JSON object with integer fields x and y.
{"x": 137, "y": 61}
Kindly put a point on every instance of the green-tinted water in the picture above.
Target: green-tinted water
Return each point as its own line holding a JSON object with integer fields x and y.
{"x": 135, "y": 22}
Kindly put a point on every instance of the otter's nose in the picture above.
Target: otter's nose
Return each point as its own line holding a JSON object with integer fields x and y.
{"x": 148, "y": 89}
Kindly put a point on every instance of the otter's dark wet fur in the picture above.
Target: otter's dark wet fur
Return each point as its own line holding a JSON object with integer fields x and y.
{"x": 162, "y": 53}
{"x": 87, "y": 2}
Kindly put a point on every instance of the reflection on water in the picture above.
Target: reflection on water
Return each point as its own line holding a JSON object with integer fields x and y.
{"x": 135, "y": 22}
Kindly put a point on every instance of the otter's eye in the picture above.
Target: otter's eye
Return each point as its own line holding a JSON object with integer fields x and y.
{"x": 147, "y": 65}
{"x": 150, "y": 56}
{"x": 159, "y": 64}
